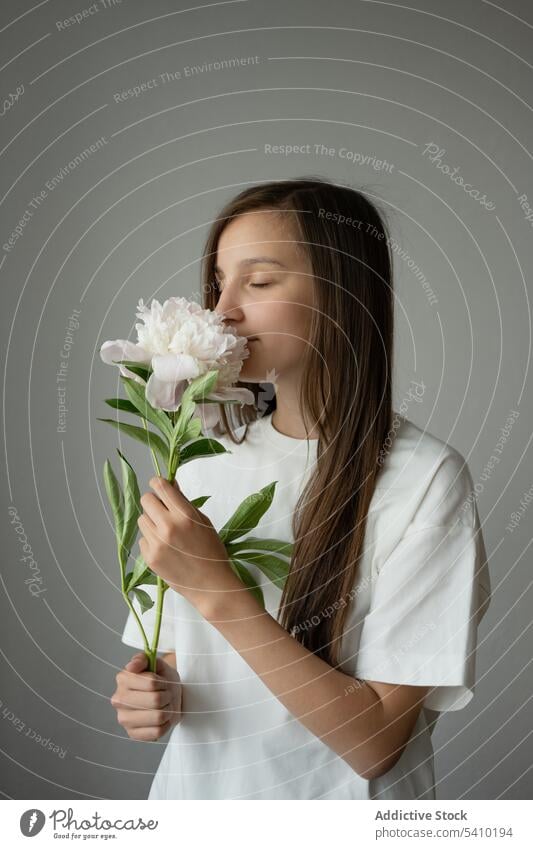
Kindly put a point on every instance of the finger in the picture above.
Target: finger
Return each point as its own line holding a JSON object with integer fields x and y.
{"x": 144, "y": 681}
{"x": 152, "y": 733}
{"x": 137, "y": 663}
{"x": 152, "y": 535}
{"x": 136, "y": 702}
{"x": 153, "y": 507}
{"x": 161, "y": 666}
{"x": 171, "y": 495}
{"x": 140, "y": 700}
{"x": 144, "y": 718}
{"x": 146, "y": 525}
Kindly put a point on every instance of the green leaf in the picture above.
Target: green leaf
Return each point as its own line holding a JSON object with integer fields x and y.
{"x": 136, "y": 394}
{"x": 200, "y": 501}
{"x": 137, "y": 368}
{"x": 138, "y": 569}
{"x": 194, "y": 429}
{"x": 145, "y": 600}
{"x": 115, "y": 497}
{"x": 274, "y": 568}
{"x": 141, "y": 574}
{"x": 260, "y": 544}
{"x": 248, "y": 580}
{"x": 195, "y": 391}
{"x": 203, "y": 385}
{"x": 147, "y": 577}
{"x": 132, "y": 506}
{"x": 204, "y": 447}
{"x": 185, "y": 413}
{"x": 121, "y": 404}
{"x": 248, "y": 513}
{"x": 146, "y": 437}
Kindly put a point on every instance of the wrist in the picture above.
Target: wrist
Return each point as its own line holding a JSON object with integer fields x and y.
{"x": 231, "y": 604}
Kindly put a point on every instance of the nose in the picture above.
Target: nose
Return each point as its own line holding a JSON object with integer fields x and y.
{"x": 229, "y": 307}
{"x": 232, "y": 317}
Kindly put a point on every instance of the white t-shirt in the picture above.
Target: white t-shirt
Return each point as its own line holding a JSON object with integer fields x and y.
{"x": 421, "y": 591}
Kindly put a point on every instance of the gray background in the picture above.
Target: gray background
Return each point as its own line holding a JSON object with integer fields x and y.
{"x": 377, "y": 78}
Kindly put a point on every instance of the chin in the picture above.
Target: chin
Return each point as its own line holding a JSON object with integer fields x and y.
{"x": 251, "y": 371}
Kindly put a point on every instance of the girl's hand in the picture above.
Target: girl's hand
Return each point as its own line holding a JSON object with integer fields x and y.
{"x": 148, "y": 704}
{"x": 180, "y": 544}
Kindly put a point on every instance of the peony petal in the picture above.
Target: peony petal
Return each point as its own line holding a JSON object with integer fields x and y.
{"x": 123, "y": 349}
{"x": 175, "y": 367}
{"x": 208, "y": 414}
{"x": 164, "y": 394}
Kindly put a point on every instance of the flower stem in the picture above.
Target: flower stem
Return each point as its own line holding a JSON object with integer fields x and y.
{"x": 162, "y": 587}
{"x": 147, "y": 649}
{"x": 127, "y": 600}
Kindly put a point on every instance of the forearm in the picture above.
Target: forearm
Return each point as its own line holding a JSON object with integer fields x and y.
{"x": 346, "y": 714}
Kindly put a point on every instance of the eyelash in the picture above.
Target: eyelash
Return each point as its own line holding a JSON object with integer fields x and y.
{"x": 255, "y": 285}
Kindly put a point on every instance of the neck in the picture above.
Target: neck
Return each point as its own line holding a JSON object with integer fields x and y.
{"x": 287, "y": 417}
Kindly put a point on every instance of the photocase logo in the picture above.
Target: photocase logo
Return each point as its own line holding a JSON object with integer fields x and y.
{"x": 31, "y": 822}
{"x": 267, "y": 393}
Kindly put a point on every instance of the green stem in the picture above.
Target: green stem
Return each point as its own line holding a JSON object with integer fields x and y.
{"x": 162, "y": 587}
{"x": 126, "y": 598}
{"x": 147, "y": 649}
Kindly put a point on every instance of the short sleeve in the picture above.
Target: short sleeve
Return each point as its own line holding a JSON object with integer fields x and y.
{"x": 427, "y": 601}
{"x": 131, "y": 635}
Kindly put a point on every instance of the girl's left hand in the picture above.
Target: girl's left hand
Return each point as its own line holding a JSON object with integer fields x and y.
{"x": 181, "y": 545}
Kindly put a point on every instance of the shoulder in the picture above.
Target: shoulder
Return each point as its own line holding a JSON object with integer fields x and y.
{"x": 429, "y": 474}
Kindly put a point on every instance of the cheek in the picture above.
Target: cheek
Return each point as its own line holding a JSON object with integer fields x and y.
{"x": 290, "y": 321}
{"x": 283, "y": 339}
{"x": 294, "y": 322}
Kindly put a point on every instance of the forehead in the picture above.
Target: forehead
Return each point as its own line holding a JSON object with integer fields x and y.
{"x": 260, "y": 233}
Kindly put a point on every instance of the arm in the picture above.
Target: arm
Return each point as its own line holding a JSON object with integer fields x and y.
{"x": 367, "y": 723}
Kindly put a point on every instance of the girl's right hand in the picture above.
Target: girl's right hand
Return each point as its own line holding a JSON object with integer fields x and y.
{"x": 148, "y": 704}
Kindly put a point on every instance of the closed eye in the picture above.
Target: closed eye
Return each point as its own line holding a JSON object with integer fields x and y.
{"x": 257, "y": 285}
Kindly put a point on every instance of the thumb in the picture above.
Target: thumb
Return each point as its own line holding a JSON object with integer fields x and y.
{"x": 138, "y": 663}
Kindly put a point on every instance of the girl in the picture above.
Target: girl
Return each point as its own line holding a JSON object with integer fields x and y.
{"x": 333, "y": 690}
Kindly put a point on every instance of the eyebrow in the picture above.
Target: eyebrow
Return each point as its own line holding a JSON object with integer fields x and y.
{"x": 254, "y": 260}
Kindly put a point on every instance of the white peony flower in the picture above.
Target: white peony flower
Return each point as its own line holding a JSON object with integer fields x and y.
{"x": 180, "y": 340}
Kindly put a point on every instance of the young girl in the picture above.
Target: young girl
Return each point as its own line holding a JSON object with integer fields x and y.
{"x": 333, "y": 690}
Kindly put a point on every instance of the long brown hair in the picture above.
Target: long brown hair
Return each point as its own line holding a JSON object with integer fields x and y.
{"x": 351, "y": 336}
